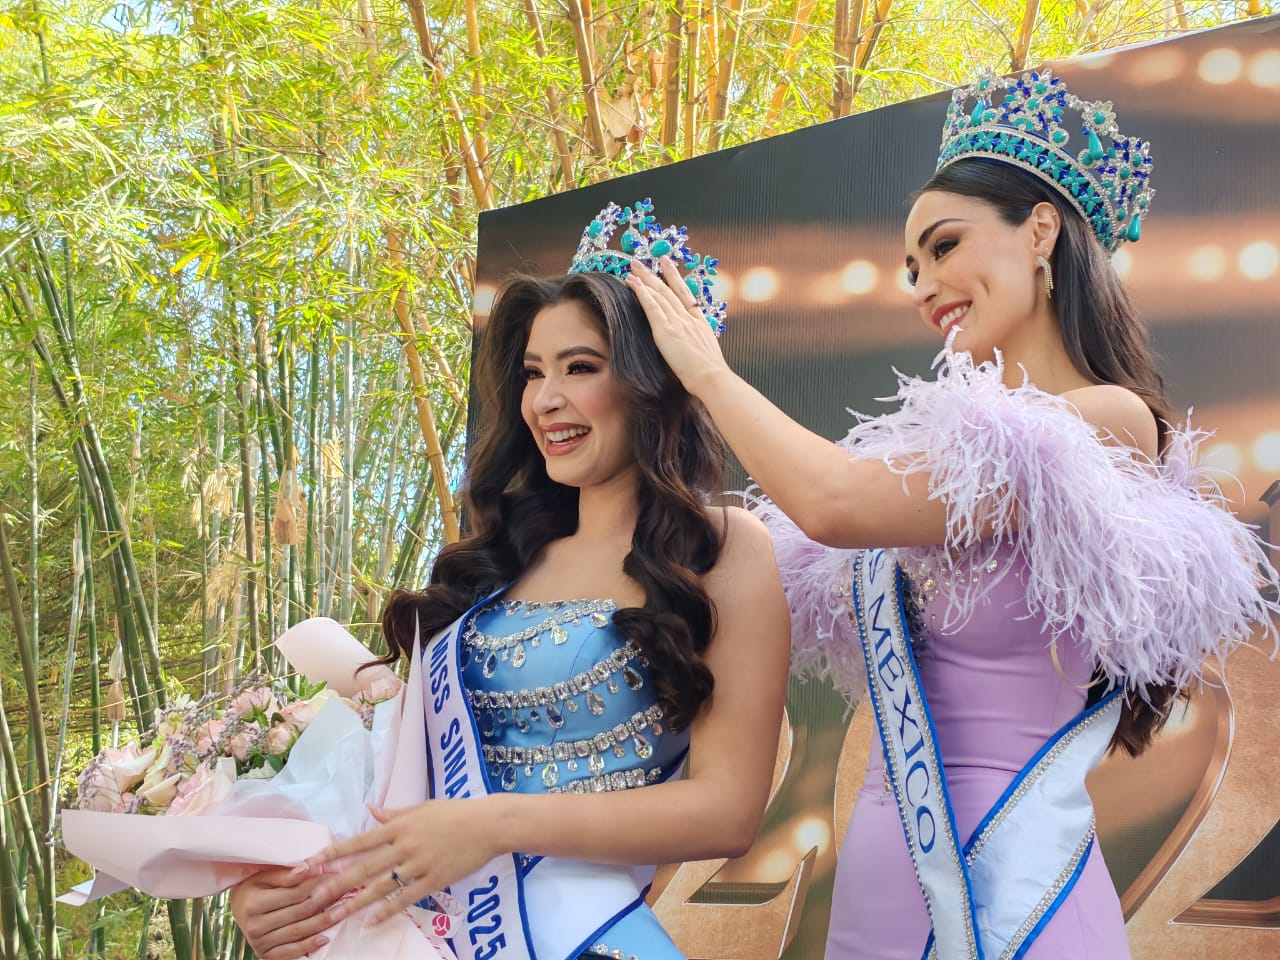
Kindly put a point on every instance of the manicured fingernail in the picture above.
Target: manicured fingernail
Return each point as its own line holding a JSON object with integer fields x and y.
{"x": 321, "y": 941}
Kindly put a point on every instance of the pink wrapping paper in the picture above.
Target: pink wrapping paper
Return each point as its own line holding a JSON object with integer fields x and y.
{"x": 295, "y": 815}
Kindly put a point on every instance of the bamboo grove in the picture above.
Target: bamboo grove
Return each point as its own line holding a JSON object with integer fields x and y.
{"x": 235, "y": 276}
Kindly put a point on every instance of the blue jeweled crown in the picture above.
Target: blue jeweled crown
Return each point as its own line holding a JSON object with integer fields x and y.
{"x": 1109, "y": 185}
{"x": 645, "y": 241}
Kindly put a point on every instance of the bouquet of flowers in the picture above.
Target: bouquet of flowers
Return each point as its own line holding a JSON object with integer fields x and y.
{"x": 201, "y": 748}
{"x": 284, "y": 773}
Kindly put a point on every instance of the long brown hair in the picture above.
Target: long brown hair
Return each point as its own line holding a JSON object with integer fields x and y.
{"x": 514, "y": 509}
{"x": 1104, "y": 336}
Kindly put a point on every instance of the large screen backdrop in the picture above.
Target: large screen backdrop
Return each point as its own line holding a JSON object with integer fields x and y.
{"x": 808, "y": 227}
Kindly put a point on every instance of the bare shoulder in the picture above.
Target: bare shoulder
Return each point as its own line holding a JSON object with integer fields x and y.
{"x": 1120, "y": 415}
{"x": 746, "y": 558}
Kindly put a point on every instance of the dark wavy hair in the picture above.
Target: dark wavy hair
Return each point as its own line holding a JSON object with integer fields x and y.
{"x": 514, "y": 509}
{"x": 1103, "y": 334}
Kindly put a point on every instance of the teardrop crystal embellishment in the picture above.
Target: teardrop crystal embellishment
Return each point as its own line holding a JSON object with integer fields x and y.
{"x": 490, "y": 666}
{"x": 643, "y": 748}
{"x": 521, "y": 723}
{"x": 634, "y": 680}
{"x": 550, "y": 775}
{"x": 508, "y": 781}
{"x": 596, "y": 764}
{"x": 555, "y": 717}
{"x": 559, "y": 634}
{"x": 599, "y": 620}
{"x": 595, "y": 703}
{"x": 518, "y": 655}
{"x": 571, "y": 706}
{"x": 487, "y": 727}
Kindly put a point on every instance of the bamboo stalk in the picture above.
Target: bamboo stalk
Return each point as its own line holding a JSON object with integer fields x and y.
{"x": 314, "y": 536}
{"x": 671, "y": 80}
{"x": 691, "y": 91}
{"x": 38, "y": 743}
{"x": 799, "y": 24}
{"x": 12, "y": 901}
{"x": 849, "y": 14}
{"x": 867, "y": 43}
{"x": 724, "y": 74}
{"x": 247, "y": 510}
{"x": 1180, "y": 11}
{"x": 476, "y": 170}
{"x": 475, "y": 54}
{"x": 1022, "y": 46}
{"x": 586, "y": 69}
{"x": 33, "y": 508}
{"x": 422, "y": 398}
{"x": 554, "y": 112}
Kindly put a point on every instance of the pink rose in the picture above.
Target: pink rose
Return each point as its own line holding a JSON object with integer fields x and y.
{"x": 111, "y": 775}
{"x": 300, "y": 713}
{"x": 381, "y": 687}
{"x": 279, "y": 739}
{"x": 161, "y": 792}
{"x": 255, "y": 699}
{"x": 244, "y": 742}
{"x": 205, "y": 788}
{"x": 207, "y": 735}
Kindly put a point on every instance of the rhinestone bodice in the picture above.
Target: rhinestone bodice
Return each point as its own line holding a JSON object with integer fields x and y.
{"x": 563, "y": 702}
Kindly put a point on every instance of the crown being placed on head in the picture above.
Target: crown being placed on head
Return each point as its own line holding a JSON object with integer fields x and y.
{"x": 646, "y": 242}
{"x": 1019, "y": 120}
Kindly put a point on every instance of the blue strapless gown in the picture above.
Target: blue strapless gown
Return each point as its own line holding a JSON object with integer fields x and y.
{"x": 565, "y": 704}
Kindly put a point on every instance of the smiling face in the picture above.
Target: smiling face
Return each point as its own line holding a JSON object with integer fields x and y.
{"x": 973, "y": 270}
{"x": 572, "y": 403}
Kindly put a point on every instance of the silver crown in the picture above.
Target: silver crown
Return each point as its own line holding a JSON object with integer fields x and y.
{"x": 1020, "y": 121}
{"x": 646, "y": 242}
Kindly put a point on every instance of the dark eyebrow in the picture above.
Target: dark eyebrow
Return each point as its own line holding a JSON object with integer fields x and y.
{"x": 532, "y": 357}
{"x": 927, "y": 232}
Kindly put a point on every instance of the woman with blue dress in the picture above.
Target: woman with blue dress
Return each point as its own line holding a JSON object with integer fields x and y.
{"x": 605, "y": 653}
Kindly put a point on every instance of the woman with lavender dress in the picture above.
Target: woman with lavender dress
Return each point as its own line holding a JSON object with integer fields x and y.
{"x": 1019, "y": 567}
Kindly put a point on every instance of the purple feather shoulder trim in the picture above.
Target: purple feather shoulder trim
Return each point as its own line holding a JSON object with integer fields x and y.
{"x": 818, "y": 584}
{"x": 1141, "y": 562}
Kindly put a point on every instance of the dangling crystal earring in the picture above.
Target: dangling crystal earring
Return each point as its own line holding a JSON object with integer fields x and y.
{"x": 1048, "y": 277}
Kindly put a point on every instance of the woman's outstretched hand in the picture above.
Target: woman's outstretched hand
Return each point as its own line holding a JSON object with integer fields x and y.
{"x": 680, "y": 330}
{"x": 416, "y": 852}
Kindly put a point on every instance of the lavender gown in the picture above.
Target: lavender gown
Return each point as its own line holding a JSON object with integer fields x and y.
{"x": 1133, "y": 567}
{"x": 996, "y": 697}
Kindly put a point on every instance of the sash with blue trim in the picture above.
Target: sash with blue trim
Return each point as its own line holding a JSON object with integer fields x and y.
{"x": 992, "y": 896}
{"x": 572, "y": 902}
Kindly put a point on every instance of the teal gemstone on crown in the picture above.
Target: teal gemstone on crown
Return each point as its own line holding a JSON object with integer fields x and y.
{"x": 1096, "y": 152}
{"x": 660, "y": 248}
{"x": 595, "y": 227}
{"x": 630, "y": 241}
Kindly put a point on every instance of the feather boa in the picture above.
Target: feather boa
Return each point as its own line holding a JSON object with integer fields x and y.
{"x": 1141, "y": 562}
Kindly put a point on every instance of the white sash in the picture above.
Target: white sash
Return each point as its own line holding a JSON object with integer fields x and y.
{"x": 1029, "y": 850}
{"x": 569, "y": 902}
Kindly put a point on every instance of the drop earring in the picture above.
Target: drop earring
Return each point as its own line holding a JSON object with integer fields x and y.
{"x": 1048, "y": 276}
